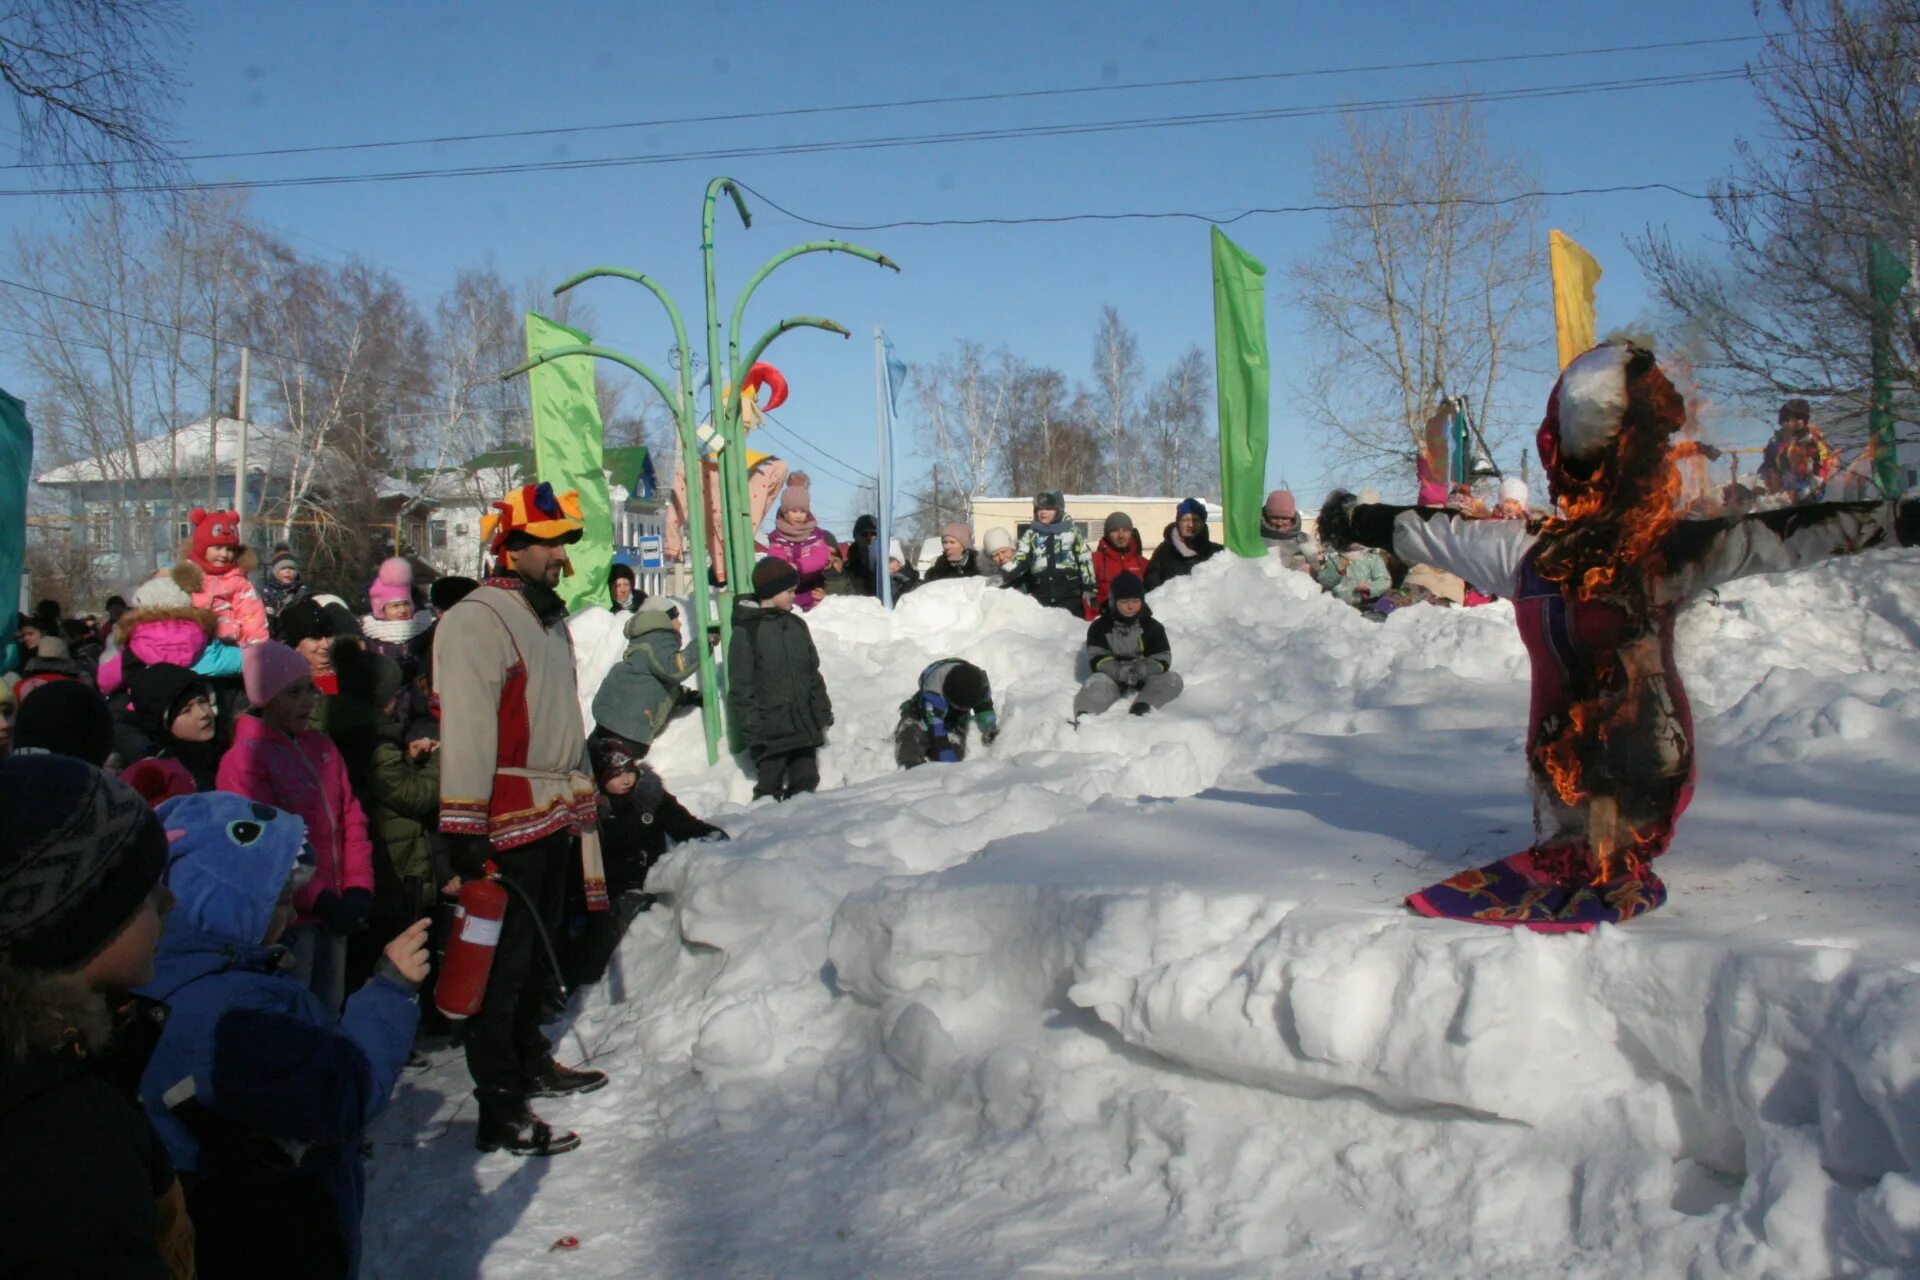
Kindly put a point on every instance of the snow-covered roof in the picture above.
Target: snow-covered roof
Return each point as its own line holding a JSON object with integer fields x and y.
{"x": 184, "y": 452}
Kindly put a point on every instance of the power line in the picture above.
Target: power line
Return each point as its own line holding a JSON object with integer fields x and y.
{"x": 894, "y": 141}
{"x": 1228, "y": 219}
{"x": 1429, "y": 64}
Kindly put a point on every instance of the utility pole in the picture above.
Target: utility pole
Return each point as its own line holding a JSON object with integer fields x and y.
{"x": 240, "y": 451}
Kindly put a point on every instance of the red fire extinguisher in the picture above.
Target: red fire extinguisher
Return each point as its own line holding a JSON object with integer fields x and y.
{"x": 476, "y": 935}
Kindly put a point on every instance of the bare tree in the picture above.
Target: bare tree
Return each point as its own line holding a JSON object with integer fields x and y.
{"x": 963, "y": 402}
{"x": 1051, "y": 437}
{"x": 1116, "y": 389}
{"x": 1416, "y": 289}
{"x": 92, "y": 85}
{"x": 1787, "y": 311}
{"x": 128, "y": 322}
{"x": 1177, "y": 448}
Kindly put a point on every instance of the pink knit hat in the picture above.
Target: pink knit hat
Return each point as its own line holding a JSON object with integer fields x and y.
{"x": 393, "y": 582}
{"x": 959, "y": 532}
{"x": 267, "y": 669}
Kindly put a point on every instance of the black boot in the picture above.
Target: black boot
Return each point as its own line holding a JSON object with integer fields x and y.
{"x": 1139, "y": 708}
{"x": 508, "y": 1124}
{"x": 556, "y": 1081}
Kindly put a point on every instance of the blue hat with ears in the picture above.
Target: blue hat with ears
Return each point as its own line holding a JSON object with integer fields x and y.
{"x": 228, "y": 860}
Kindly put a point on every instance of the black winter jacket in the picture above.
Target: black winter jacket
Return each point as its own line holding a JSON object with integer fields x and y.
{"x": 974, "y": 564}
{"x": 1131, "y": 650}
{"x": 774, "y": 688}
{"x": 1168, "y": 563}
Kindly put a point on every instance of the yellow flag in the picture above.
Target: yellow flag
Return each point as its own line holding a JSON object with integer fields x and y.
{"x": 1575, "y": 273}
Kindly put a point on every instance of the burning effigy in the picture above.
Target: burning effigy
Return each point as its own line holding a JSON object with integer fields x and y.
{"x": 1595, "y": 588}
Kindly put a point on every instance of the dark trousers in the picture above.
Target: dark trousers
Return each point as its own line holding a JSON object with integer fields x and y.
{"x": 504, "y": 1043}
{"x": 914, "y": 744}
{"x": 782, "y": 774}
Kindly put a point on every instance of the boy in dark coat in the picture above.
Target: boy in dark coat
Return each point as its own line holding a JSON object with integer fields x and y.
{"x": 259, "y": 1095}
{"x": 1130, "y": 656}
{"x": 88, "y": 1187}
{"x": 933, "y": 722}
{"x": 639, "y": 820}
{"x": 774, "y": 690}
{"x": 1184, "y": 544}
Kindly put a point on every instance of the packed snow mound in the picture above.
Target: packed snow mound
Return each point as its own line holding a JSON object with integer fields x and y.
{"x": 1141, "y": 998}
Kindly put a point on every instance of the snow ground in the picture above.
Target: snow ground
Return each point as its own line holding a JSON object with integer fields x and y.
{"x": 1141, "y": 999}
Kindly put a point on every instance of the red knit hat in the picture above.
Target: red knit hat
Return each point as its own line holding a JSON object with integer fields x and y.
{"x": 214, "y": 529}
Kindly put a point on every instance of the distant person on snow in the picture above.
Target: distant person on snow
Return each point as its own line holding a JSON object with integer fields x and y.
{"x": 933, "y": 722}
{"x": 638, "y": 696}
{"x": 1053, "y": 563}
{"x": 1185, "y": 544}
{"x": 1117, "y": 552}
{"x": 957, "y": 557}
{"x": 1798, "y": 461}
{"x": 774, "y": 689}
{"x": 1130, "y": 656}
{"x": 1355, "y": 575}
{"x": 798, "y": 539}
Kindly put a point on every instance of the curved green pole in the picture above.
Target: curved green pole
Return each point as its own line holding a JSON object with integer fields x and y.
{"x": 738, "y": 538}
{"x": 696, "y": 523}
{"x": 737, "y": 368}
{"x": 789, "y": 324}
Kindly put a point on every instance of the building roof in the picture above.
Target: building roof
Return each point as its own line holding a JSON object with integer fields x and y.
{"x": 185, "y": 452}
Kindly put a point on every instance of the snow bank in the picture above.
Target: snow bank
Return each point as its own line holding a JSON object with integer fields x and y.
{"x": 1140, "y": 999}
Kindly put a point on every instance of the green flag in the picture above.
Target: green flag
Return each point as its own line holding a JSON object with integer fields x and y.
{"x": 1887, "y": 277}
{"x": 567, "y": 445}
{"x": 1240, "y": 357}
{"x": 16, "y": 467}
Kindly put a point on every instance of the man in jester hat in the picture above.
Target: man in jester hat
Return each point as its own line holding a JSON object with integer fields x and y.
{"x": 516, "y": 790}
{"x": 1595, "y": 588}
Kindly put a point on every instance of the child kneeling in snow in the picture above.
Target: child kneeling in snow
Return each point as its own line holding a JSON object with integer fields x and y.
{"x": 933, "y": 722}
{"x": 1128, "y": 651}
{"x": 260, "y": 1097}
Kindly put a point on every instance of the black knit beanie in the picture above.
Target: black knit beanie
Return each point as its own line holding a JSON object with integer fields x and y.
{"x": 79, "y": 853}
{"x": 65, "y": 718}
{"x": 306, "y": 620}
{"x": 772, "y": 576}
{"x": 966, "y": 686}
{"x": 159, "y": 693}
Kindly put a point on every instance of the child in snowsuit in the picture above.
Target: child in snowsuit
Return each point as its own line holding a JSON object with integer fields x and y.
{"x": 639, "y": 820}
{"x": 225, "y": 589}
{"x": 933, "y": 722}
{"x": 1184, "y": 544}
{"x": 774, "y": 689}
{"x": 164, "y": 625}
{"x": 1130, "y": 656}
{"x": 798, "y": 539}
{"x": 1610, "y": 737}
{"x": 1117, "y": 552}
{"x": 259, "y": 1096}
{"x": 637, "y": 698}
{"x": 276, "y": 759}
{"x": 88, "y": 1186}
{"x": 1052, "y": 563}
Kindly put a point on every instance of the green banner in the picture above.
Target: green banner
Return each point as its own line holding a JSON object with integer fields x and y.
{"x": 1241, "y": 370}
{"x": 16, "y": 467}
{"x": 1887, "y": 277}
{"x": 567, "y": 447}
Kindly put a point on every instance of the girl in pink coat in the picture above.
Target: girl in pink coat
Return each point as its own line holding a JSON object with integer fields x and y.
{"x": 797, "y": 539}
{"x": 224, "y": 588}
{"x": 276, "y": 760}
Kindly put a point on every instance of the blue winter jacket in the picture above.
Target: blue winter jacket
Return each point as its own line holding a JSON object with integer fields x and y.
{"x": 251, "y": 1078}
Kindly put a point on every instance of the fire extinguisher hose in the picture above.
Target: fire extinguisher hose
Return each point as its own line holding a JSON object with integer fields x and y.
{"x": 533, "y": 913}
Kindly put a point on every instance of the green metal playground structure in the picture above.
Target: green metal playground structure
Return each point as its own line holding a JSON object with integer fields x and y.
{"x": 736, "y": 520}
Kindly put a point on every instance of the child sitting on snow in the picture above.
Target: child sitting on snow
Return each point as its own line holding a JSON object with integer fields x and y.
{"x": 260, "y": 1097}
{"x": 933, "y": 722}
{"x": 1130, "y": 656}
{"x": 774, "y": 689}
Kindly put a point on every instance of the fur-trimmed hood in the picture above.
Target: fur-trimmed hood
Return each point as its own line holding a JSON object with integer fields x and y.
{"x": 243, "y": 564}
{"x": 44, "y": 1012}
{"x": 123, "y": 629}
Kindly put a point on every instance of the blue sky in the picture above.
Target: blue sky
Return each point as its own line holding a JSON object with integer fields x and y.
{"x": 277, "y": 75}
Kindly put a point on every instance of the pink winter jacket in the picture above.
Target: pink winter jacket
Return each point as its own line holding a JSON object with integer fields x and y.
{"x": 243, "y": 619}
{"x": 304, "y": 775}
{"x": 809, "y": 557}
{"x": 178, "y": 636}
